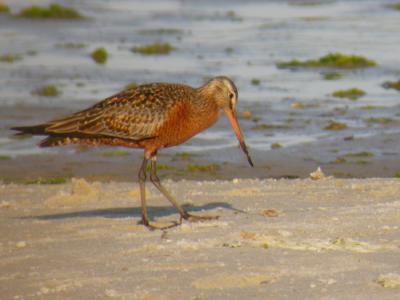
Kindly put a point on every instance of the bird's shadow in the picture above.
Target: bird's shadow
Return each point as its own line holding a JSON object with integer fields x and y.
{"x": 131, "y": 212}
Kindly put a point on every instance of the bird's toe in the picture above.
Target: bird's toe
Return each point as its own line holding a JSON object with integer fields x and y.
{"x": 195, "y": 218}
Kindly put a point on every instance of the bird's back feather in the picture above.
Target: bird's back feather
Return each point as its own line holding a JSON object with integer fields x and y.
{"x": 134, "y": 114}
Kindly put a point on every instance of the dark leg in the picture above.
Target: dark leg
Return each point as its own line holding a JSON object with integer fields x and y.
{"x": 145, "y": 218}
{"x": 157, "y": 183}
{"x": 142, "y": 180}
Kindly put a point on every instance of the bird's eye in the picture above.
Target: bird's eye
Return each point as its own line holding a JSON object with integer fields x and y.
{"x": 231, "y": 100}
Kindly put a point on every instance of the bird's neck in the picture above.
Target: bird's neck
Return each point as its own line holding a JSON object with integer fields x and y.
{"x": 205, "y": 100}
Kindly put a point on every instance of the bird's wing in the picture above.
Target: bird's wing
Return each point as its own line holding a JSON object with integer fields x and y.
{"x": 134, "y": 114}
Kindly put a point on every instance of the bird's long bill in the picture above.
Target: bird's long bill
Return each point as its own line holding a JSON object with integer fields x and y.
{"x": 235, "y": 125}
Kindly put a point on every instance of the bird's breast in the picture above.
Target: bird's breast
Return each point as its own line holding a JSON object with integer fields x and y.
{"x": 184, "y": 121}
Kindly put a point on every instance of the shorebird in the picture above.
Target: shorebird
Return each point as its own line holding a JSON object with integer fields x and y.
{"x": 151, "y": 116}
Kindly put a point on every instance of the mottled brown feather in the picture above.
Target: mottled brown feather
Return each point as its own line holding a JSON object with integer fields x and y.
{"x": 151, "y": 116}
{"x": 134, "y": 114}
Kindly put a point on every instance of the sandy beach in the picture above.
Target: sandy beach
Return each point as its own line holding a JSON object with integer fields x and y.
{"x": 275, "y": 239}
{"x": 288, "y": 110}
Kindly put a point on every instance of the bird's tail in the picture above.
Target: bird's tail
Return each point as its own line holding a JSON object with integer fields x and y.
{"x": 50, "y": 141}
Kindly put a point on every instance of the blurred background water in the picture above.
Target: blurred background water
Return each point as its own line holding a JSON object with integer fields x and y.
{"x": 240, "y": 39}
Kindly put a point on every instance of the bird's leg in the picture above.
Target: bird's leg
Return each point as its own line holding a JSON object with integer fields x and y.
{"x": 145, "y": 218}
{"x": 157, "y": 183}
{"x": 142, "y": 180}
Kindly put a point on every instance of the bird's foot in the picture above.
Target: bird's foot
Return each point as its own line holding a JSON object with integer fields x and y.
{"x": 186, "y": 216}
{"x": 196, "y": 218}
{"x": 154, "y": 226}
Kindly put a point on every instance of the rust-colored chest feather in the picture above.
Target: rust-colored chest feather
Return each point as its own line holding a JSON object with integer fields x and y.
{"x": 183, "y": 121}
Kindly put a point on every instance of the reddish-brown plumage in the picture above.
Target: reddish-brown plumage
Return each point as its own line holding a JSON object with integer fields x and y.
{"x": 151, "y": 116}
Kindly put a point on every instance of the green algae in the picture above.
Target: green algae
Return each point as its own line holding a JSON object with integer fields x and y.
{"x": 276, "y": 146}
{"x": 333, "y": 125}
{"x": 339, "y": 160}
{"x": 300, "y": 105}
{"x": 154, "y": 49}
{"x": 47, "y": 91}
{"x": 4, "y": 8}
{"x": 391, "y": 85}
{"x": 362, "y": 162}
{"x": 379, "y": 120}
{"x": 100, "y": 56}
{"x": 115, "y": 153}
{"x": 332, "y": 76}
{"x": 232, "y": 15}
{"x": 54, "y": 180}
{"x": 202, "y": 168}
{"x": 184, "y": 155}
{"x": 360, "y": 154}
{"x": 395, "y": 6}
{"x": 269, "y": 127}
{"x": 342, "y": 174}
{"x": 160, "y": 167}
{"x": 10, "y": 58}
{"x": 331, "y": 60}
{"x": 352, "y": 94}
{"x": 53, "y": 11}
{"x": 371, "y": 107}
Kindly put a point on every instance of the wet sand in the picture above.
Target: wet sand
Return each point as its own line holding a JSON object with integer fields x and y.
{"x": 338, "y": 157}
{"x": 275, "y": 239}
{"x": 378, "y": 155}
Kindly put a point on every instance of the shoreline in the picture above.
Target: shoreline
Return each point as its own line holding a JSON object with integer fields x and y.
{"x": 121, "y": 164}
{"x": 354, "y": 156}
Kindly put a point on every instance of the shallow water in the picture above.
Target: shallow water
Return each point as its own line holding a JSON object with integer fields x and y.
{"x": 241, "y": 40}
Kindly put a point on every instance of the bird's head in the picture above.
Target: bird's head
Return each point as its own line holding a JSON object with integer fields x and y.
{"x": 225, "y": 94}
